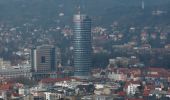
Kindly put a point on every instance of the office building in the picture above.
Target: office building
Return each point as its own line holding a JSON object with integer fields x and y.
{"x": 45, "y": 59}
{"x": 82, "y": 46}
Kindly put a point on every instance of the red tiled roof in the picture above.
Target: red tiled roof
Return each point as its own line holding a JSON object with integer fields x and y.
{"x": 15, "y": 94}
{"x": 149, "y": 87}
{"x": 7, "y": 86}
{"x": 134, "y": 82}
{"x": 135, "y": 70}
{"x": 121, "y": 93}
{"x": 155, "y": 69}
{"x": 154, "y": 76}
{"x": 146, "y": 93}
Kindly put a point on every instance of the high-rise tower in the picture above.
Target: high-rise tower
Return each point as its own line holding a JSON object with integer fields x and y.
{"x": 82, "y": 46}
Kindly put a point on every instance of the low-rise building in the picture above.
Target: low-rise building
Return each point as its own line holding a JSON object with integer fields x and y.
{"x": 132, "y": 87}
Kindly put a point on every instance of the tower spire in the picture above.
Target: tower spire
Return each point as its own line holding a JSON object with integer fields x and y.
{"x": 80, "y": 7}
{"x": 143, "y": 5}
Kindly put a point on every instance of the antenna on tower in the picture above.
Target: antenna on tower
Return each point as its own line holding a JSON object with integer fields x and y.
{"x": 143, "y": 5}
{"x": 80, "y": 6}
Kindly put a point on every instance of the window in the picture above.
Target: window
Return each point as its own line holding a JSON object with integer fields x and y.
{"x": 42, "y": 59}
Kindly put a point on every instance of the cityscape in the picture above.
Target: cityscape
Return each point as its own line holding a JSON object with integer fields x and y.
{"x": 84, "y": 50}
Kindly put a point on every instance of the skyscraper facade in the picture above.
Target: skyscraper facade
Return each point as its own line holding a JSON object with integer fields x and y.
{"x": 82, "y": 46}
{"x": 45, "y": 58}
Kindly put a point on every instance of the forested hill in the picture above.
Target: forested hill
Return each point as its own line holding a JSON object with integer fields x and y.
{"x": 103, "y": 11}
